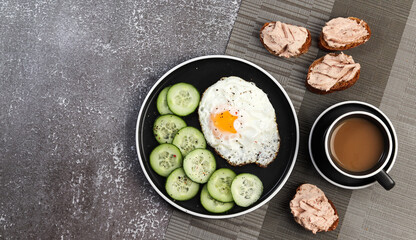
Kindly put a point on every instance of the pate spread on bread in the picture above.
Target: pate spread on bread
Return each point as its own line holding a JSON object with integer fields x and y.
{"x": 312, "y": 209}
{"x": 333, "y": 72}
{"x": 344, "y": 33}
{"x": 285, "y": 40}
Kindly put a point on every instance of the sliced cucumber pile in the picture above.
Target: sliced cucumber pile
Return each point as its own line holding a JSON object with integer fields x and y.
{"x": 165, "y": 158}
{"x": 166, "y": 127}
{"x": 180, "y": 187}
{"x": 183, "y": 159}
{"x": 182, "y": 99}
{"x": 199, "y": 164}
{"x": 246, "y": 189}
{"x": 188, "y": 139}
{"x": 161, "y": 103}
{"x": 219, "y": 185}
{"x": 212, "y": 205}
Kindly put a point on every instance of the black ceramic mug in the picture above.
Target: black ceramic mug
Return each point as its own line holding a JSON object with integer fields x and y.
{"x": 377, "y": 171}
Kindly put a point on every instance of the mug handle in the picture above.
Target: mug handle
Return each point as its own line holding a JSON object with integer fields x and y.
{"x": 385, "y": 180}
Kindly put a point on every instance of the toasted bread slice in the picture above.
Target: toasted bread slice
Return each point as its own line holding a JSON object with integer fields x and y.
{"x": 337, "y": 87}
{"x": 336, "y": 222}
{"x": 302, "y": 50}
{"x": 324, "y": 45}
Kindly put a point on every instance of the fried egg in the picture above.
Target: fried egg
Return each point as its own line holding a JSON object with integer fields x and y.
{"x": 239, "y": 122}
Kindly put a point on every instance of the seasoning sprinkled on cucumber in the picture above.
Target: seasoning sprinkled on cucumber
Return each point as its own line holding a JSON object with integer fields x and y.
{"x": 219, "y": 184}
{"x": 165, "y": 158}
{"x": 188, "y": 139}
{"x": 246, "y": 189}
{"x": 199, "y": 165}
{"x": 182, "y": 99}
{"x": 180, "y": 187}
{"x": 166, "y": 127}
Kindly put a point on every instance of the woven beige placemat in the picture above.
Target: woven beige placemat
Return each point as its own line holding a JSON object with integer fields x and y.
{"x": 386, "y": 81}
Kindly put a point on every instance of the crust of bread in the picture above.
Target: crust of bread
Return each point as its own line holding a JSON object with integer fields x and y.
{"x": 324, "y": 45}
{"x": 337, "y": 87}
{"x": 335, "y": 224}
{"x": 302, "y": 50}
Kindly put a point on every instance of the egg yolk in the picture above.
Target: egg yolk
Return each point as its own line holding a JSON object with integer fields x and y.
{"x": 224, "y": 121}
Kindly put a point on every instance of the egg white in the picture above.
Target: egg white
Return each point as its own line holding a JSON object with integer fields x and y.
{"x": 257, "y": 138}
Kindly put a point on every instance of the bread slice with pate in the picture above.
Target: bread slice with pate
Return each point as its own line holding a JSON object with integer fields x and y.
{"x": 313, "y": 210}
{"x": 344, "y": 33}
{"x": 285, "y": 40}
{"x": 332, "y": 72}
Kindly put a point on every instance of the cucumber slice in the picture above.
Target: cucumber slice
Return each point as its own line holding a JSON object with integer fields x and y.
{"x": 188, "y": 139}
{"x": 180, "y": 187}
{"x": 199, "y": 165}
{"x": 183, "y": 99}
{"x": 212, "y": 205}
{"x": 166, "y": 127}
{"x": 165, "y": 158}
{"x": 219, "y": 184}
{"x": 161, "y": 103}
{"x": 246, "y": 189}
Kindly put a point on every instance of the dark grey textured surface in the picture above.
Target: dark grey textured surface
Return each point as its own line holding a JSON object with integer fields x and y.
{"x": 72, "y": 77}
